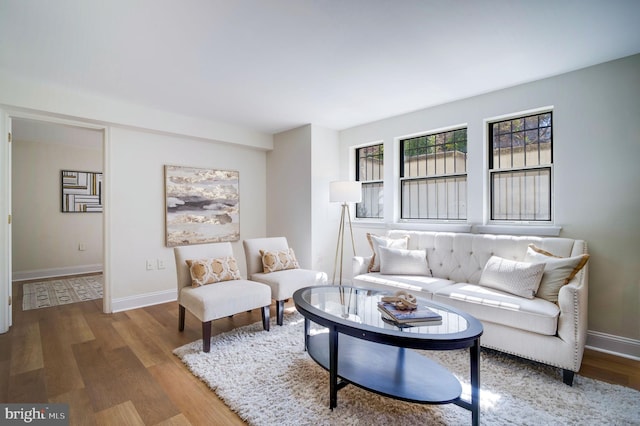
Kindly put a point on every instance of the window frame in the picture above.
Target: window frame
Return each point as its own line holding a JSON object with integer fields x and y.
{"x": 491, "y": 171}
{"x": 434, "y": 177}
{"x": 366, "y": 183}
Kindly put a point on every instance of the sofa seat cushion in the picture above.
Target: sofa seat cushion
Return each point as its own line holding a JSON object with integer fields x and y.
{"x": 416, "y": 283}
{"x": 486, "y": 304}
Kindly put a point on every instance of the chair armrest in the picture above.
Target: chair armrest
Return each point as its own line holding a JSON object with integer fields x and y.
{"x": 360, "y": 264}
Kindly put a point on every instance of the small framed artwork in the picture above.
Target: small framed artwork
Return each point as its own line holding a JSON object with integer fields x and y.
{"x": 81, "y": 192}
{"x": 202, "y": 205}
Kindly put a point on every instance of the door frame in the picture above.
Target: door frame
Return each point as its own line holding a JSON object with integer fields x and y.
{"x": 6, "y": 117}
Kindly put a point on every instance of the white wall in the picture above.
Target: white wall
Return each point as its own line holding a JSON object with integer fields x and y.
{"x": 5, "y": 228}
{"x": 325, "y": 216}
{"x": 46, "y": 241}
{"x": 136, "y": 231}
{"x": 137, "y": 206}
{"x": 20, "y": 94}
{"x": 596, "y": 176}
{"x": 299, "y": 170}
{"x": 289, "y": 191}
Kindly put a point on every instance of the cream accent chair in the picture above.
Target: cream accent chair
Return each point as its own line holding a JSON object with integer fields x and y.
{"x": 213, "y": 301}
{"x": 283, "y": 283}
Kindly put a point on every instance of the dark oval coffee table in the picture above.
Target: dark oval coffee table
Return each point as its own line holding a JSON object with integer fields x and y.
{"x": 361, "y": 347}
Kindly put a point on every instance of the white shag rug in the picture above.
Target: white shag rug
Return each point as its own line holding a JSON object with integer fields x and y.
{"x": 268, "y": 379}
{"x": 63, "y": 291}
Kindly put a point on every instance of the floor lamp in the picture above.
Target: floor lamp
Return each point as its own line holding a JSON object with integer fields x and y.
{"x": 344, "y": 192}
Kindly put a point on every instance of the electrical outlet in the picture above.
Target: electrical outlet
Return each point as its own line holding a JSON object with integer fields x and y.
{"x": 161, "y": 264}
{"x": 150, "y": 264}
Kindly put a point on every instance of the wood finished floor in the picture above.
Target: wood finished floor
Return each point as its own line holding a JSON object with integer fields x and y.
{"x": 119, "y": 368}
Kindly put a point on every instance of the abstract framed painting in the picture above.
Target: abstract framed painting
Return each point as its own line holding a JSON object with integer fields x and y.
{"x": 202, "y": 205}
{"x": 81, "y": 192}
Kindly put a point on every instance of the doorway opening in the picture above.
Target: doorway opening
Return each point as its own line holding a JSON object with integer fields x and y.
{"x": 47, "y": 242}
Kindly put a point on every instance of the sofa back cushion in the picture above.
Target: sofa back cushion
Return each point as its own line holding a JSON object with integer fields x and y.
{"x": 461, "y": 257}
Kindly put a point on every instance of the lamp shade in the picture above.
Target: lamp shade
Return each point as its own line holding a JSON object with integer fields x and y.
{"x": 345, "y": 191}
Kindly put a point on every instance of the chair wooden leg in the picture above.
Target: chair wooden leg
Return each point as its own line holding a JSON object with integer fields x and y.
{"x": 279, "y": 311}
{"x": 181, "y": 314}
{"x": 206, "y": 336}
{"x": 265, "y": 317}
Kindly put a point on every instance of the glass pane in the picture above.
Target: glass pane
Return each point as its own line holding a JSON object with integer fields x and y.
{"x": 532, "y": 155}
{"x": 531, "y": 122}
{"x": 523, "y": 195}
{"x": 372, "y": 204}
{"x": 517, "y": 157}
{"x": 518, "y": 139}
{"x": 517, "y": 124}
{"x": 496, "y": 159}
{"x": 531, "y": 136}
{"x": 545, "y": 134}
{"x": 439, "y": 198}
{"x": 439, "y": 163}
{"x": 545, "y": 120}
{"x": 504, "y": 127}
{"x": 435, "y": 154}
{"x": 505, "y": 141}
{"x": 370, "y": 163}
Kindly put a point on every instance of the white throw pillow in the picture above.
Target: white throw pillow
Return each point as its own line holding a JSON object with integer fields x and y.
{"x": 558, "y": 271}
{"x": 403, "y": 262}
{"x": 376, "y": 242}
{"x": 519, "y": 278}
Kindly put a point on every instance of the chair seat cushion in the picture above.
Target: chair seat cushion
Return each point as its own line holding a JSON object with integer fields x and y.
{"x": 226, "y": 298}
{"x": 486, "y": 304}
{"x": 284, "y": 283}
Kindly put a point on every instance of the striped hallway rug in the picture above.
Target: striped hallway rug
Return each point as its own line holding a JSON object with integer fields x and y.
{"x": 63, "y": 291}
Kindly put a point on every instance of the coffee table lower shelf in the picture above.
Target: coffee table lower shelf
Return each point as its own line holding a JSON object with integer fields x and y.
{"x": 388, "y": 370}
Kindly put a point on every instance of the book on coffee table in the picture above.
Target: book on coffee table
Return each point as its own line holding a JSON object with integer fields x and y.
{"x": 420, "y": 314}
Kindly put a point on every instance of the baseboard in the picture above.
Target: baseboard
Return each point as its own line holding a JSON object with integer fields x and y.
{"x": 615, "y": 345}
{"x": 55, "y": 272}
{"x": 140, "y": 301}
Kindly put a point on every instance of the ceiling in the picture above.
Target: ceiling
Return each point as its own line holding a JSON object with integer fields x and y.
{"x": 272, "y": 65}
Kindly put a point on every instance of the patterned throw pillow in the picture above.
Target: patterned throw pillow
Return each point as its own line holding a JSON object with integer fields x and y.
{"x": 278, "y": 260}
{"x": 376, "y": 241}
{"x": 209, "y": 271}
{"x": 558, "y": 271}
{"x": 519, "y": 278}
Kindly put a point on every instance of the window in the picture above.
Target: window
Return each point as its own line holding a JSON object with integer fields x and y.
{"x": 433, "y": 176}
{"x": 370, "y": 171}
{"x": 520, "y": 159}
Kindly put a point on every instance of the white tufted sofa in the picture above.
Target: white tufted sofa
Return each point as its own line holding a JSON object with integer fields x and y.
{"x": 535, "y": 329}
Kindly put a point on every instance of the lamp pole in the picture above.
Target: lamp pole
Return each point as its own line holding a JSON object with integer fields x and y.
{"x": 340, "y": 244}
